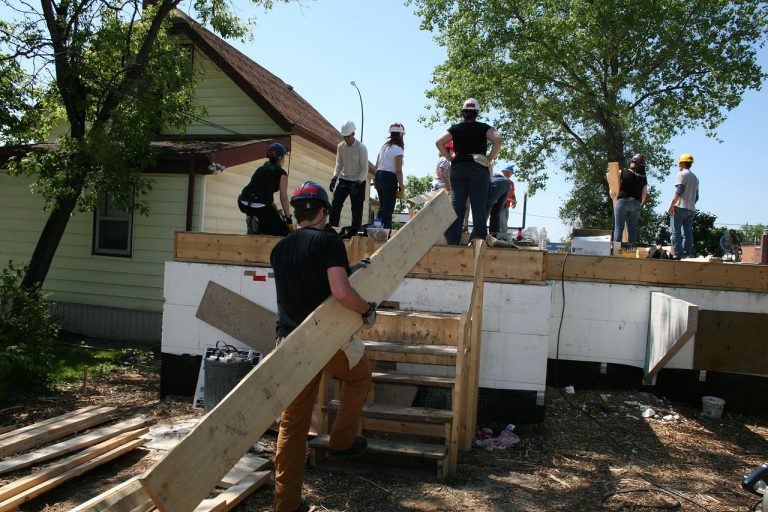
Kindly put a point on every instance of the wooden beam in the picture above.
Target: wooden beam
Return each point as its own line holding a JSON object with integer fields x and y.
{"x": 50, "y": 421}
{"x": 46, "y": 484}
{"x": 185, "y": 476}
{"x": 70, "y": 445}
{"x": 469, "y": 420}
{"x": 680, "y": 274}
{"x": 672, "y": 323}
{"x": 128, "y": 496}
{"x": 232, "y": 497}
{"x": 49, "y": 432}
{"x": 237, "y": 316}
{"x": 731, "y": 341}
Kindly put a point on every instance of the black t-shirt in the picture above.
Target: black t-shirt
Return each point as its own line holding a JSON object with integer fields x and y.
{"x": 469, "y": 138}
{"x": 632, "y": 184}
{"x": 266, "y": 181}
{"x": 300, "y": 262}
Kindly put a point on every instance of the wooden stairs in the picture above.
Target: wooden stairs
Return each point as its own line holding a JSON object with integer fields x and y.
{"x": 412, "y": 350}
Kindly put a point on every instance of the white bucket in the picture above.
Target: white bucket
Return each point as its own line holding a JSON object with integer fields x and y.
{"x": 712, "y": 407}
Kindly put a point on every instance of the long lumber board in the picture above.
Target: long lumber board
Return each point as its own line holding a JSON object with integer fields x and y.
{"x": 128, "y": 496}
{"x": 70, "y": 445}
{"x": 185, "y": 476}
{"x": 50, "y": 421}
{"x": 232, "y": 497}
{"x": 33, "y": 492}
{"x": 57, "y": 430}
{"x": 17, "y": 486}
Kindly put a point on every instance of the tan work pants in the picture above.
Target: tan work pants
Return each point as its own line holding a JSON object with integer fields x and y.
{"x": 295, "y": 422}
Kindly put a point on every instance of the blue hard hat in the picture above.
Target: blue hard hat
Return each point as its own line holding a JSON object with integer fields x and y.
{"x": 276, "y": 150}
{"x": 308, "y": 194}
{"x": 509, "y": 168}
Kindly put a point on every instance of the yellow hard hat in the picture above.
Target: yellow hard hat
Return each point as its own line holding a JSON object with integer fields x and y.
{"x": 685, "y": 157}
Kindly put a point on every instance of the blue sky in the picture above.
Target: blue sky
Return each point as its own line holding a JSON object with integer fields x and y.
{"x": 318, "y": 47}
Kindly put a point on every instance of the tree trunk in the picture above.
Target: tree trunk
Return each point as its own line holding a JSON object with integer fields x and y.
{"x": 45, "y": 250}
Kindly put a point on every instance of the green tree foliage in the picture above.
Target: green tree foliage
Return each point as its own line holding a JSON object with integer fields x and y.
{"x": 750, "y": 234}
{"x": 586, "y": 83}
{"x": 114, "y": 75}
{"x": 414, "y": 186}
{"x": 27, "y": 334}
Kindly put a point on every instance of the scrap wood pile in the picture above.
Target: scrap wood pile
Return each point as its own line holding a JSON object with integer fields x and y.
{"x": 24, "y": 451}
{"x": 29, "y": 446}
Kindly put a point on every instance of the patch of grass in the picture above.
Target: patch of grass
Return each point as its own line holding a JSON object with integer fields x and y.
{"x": 69, "y": 361}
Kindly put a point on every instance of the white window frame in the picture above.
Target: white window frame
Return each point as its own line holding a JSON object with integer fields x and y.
{"x": 99, "y": 216}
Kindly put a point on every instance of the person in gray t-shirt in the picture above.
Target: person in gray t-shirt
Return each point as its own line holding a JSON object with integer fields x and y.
{"x": 683, "y": 208}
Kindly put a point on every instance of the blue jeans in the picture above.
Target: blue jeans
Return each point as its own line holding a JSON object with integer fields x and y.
{"x": 468, "y": 179}
{"x": 498, "y": 192}
{"x": 627, "y": 210}
{"x": 386, "y": 186}
{"x": 681, "y": 228}
{"x": 355, "y": 190}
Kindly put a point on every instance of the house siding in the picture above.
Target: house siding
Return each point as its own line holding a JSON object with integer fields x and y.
{"x": 76, "y": 275}
{"x": 226, "y": 104}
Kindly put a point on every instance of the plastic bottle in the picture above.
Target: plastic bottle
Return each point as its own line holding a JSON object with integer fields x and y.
{"x": 377, "y": 222}
{"x": 543, "y": 239}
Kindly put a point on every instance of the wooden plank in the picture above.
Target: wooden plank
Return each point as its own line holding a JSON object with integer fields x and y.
{"x": 469, "y": 416}
{"x": 50, "y": 432}
{"x": 404, "y": 448}
{"x": 414, "y": 379}
{"x": 413, "y": 326}
{"x": 731, "y": 341}
{"x": 70, "y": 445}
{"x": 219, "y": 248}
{"x": 7, "y": 428}
{"x": 128, "y": 496}
{"x": 394, "y": 412}
{"x": 404, "y": 357}
{"x": 614, "y": 180}
{"x": 232, "y": 497}
{"x": 237, "y": 316}
{"x": 404, "y": 427}
{"x": 49, "y": 421}
{"x": 246, "y": 465}
{"x": 180, "y": 481}
{"x": 514, "y": 265}
{"x": 684, "y": 274}
{"x": 17, "y": 486}
{"x": 446, "y": 261}
{"x": 672, "y": 323}
{"x": 33, "y": 492}
{"x": 409, "y": 348}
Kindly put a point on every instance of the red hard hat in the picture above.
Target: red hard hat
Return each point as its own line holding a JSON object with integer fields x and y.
{"x": 449, "y": 144}
{"x": 638, "y": 159}
{"x": 308, "y": 193}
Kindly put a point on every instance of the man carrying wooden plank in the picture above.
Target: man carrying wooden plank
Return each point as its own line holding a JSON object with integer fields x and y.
{"x": 310, "y": 265}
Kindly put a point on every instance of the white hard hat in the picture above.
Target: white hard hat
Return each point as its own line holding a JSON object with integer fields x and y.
{"x": 471, "y": 104}
{"x": 347, "y": 129}
{"x": 396, "y": 128}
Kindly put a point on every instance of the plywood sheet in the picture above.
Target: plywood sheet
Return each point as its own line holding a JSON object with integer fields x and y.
{"x": 237, "y": 316}
{"x": 732, "y": 341}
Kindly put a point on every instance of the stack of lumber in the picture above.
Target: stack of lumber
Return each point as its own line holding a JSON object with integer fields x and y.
{"x": 238, "y": 484}
{"x": 92, "y": 449}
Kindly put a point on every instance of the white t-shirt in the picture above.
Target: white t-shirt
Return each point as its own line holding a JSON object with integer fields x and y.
{"x": 386, "y": 160}
{"x": 443, "y": 163}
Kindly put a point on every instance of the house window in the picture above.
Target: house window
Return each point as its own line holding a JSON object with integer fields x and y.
{"x": 112, "y": 230}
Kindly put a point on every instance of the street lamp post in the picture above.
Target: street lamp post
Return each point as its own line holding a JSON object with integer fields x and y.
{"x": 362, "y": 114}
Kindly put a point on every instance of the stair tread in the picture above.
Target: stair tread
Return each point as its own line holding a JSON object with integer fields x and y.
{"x": 419, "y": 314}
{"x": 414, "y": 379}
{"x": 390, "y": 447}
{"x": 419, "y": 414}
{"x": 387, "y": 346}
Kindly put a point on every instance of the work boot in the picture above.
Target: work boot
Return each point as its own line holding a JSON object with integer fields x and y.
{"x": 358, "y": 448}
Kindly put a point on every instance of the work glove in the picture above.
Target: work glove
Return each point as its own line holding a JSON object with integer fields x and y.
{"x": 333, "y": 184}
{"x": 360, "y": 264}
{"x": 370, "y": 316}
{"x": 400, "y": 192}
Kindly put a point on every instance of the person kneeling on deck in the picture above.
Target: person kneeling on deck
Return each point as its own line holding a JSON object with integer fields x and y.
{"x": 311, "y": 264}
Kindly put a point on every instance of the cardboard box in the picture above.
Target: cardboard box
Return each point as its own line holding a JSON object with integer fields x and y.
{"x": 591, "y": 242}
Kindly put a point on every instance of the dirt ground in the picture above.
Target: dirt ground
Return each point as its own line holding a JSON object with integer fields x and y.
{"x": 594, "y": 451}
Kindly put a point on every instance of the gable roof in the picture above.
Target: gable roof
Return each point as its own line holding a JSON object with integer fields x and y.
{"x": 279, "y": 100}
